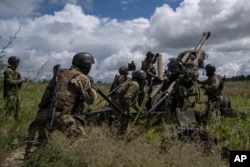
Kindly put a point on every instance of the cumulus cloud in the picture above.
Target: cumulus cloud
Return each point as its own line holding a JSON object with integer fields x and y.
{"x": 56, "y": 37}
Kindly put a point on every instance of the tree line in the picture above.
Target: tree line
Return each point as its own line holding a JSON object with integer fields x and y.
{"x": 239, "y": 78}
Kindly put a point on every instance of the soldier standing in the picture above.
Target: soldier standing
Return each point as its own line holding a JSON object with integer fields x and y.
{"x": 12, "y": 84}
{"x": 148, "y": 67}
{"x": 127, "y": 98}
{"x": 213, "y": 89}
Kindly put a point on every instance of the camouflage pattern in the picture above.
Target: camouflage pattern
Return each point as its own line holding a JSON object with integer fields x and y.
{"x": 214, "y": 93}
{"x": 119, "y": 80}
{"x": 211, "y": 87}
{"x": 80, "y": 90}
{"x": 148, "y": 67}
{"x": 127, "y": 101}
{"x": 12, "y": 84}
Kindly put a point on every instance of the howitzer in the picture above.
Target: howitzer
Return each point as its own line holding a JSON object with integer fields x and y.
{"x": 53, "y": 97}
{"x": 160, "y": 101}
{"x": 94, "y": 116}
{"x": 195, "y": 56}
{"x": 179, "y": 68}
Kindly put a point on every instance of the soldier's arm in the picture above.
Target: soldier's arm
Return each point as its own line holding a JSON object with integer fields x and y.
{"x": 213, "y": 86}
{"x": 83, "y": 87}
{"x": 10, "y": 79}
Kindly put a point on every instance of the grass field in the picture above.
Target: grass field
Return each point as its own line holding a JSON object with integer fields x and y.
{"x": 142, "y": 146}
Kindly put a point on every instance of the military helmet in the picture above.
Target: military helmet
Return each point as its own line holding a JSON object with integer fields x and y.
{"x": 13, "y": 59}
{"x": 123, "y": 70}
{"x": 149, "y": 54}
{"x": 139, "y": 75}
{"x": 210, "y": 69}
{"x": 83, "y": 59}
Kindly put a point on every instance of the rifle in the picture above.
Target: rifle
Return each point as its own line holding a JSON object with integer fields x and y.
{"x": 113, "y": 84}
{"x": 53, "y": 97}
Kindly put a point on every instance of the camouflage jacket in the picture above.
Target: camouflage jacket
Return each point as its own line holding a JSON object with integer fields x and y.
{"x": 211, "y": 86}
{"x": 74, "y": 90}
{"x": 128, "y": 99}
{"x": 119, "y": 80}
{"x": 148, "y": 68}
{"x": 11, "y": 82}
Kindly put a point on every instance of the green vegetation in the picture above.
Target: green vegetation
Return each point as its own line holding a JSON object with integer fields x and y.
{"x": 142, "y": 146}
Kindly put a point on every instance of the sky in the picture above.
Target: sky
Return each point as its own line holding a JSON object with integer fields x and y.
{"x": 118, "y": 31}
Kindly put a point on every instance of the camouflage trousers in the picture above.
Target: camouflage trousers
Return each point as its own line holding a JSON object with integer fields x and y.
{"x": 213, "y": 111}
{"x": 12, "y": 106}
{"x": 123, "y": 121}
{"x": 38, "y": 135}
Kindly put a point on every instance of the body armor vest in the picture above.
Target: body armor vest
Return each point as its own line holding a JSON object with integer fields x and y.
{"x": 67, "y": 97}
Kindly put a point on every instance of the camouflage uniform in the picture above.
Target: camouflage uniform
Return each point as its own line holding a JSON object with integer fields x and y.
{"x": 127, "y": 101}
{"x": 212, "y": 89}
{"x": 148, "y": 67}
{"x": 12, "y": 84}
{"x": 75, "y": 88}
{"x": 119, "y": 79}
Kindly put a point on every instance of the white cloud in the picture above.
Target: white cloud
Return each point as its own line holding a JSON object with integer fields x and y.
{"x": 57, "y": 37}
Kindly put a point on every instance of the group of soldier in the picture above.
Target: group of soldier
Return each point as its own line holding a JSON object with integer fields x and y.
{"x": 76, "y": 89}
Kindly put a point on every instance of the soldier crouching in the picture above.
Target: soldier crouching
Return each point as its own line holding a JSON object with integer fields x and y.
{"x": 73, "y": 89}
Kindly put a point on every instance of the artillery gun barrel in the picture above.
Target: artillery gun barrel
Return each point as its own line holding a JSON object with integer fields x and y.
{"x": 205, "y": 36}
{"x": 198, "y": 47}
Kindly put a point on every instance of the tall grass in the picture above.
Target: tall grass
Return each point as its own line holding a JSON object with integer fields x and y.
{"x": 143, "y": 145}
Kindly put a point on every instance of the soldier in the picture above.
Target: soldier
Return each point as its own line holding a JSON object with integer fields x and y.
{"x": 119, "y": 79}
{"x": 151, "y": 78}
{"x": 213, "y": 89}
{"x": 148, "y": 67}
{"x": 127, "y": 98}
{"x": 12, "y": 84}
{"x": 75, "y": 89}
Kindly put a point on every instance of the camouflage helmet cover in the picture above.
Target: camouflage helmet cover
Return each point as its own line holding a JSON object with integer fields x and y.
{"x": 13, "y": 59}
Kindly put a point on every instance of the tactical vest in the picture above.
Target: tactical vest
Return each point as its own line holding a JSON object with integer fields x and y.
{"x": 66, "y": 99}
